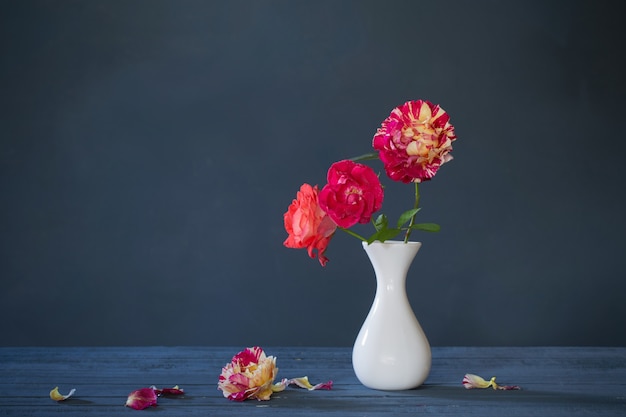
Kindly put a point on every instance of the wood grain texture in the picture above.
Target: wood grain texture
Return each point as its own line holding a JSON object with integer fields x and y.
{"x": 556, "y": 381}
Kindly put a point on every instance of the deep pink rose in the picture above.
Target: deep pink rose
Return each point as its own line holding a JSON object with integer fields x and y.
{"x": 414, "y": 141}
{"x": 307, "y": 224}
{"x": 352, "y": 195}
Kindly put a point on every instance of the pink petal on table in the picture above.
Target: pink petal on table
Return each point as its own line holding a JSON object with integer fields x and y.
{"x": 168, "y": 391}
{"x": 142, "y": 398}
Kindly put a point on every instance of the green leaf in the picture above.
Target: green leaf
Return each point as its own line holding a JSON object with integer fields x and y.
{"x": 426, "y": 227}
{"x": 381, "y": 223}
{"x": 406, "y": 216}
{"x": 384, "y": 234}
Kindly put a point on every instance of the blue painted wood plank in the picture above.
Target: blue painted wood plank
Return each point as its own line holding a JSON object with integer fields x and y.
{"x": 556, "y": 381}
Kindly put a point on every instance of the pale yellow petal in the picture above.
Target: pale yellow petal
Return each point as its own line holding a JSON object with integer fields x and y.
{"x": 425, "y": 113}
{"x": 475, "y": 381}
{"x": 280, "y": 386}
{"x": 56, "y": 396}
{"x": 303, "y": 382}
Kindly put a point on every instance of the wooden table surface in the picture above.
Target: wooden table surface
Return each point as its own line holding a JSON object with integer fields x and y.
{"x": 555, "y": 381}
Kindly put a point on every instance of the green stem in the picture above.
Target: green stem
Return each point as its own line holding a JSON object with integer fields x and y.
{"x": 365, "y": 157}
{"x": 350, "y": 232}
{"x": 412, "y": 222}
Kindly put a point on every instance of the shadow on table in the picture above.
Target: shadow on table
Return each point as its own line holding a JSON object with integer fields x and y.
{"x": 519, "y": 396}
{"x": 446, "y": 399}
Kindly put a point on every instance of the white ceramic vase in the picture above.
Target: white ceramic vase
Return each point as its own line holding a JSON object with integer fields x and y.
{"x": 391, "y": 351}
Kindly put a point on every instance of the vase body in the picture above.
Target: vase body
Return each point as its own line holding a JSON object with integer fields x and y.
{"x": 391, "y": 351}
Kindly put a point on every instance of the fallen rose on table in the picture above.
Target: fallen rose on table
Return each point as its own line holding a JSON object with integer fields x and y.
{"x": 251, "y": 374}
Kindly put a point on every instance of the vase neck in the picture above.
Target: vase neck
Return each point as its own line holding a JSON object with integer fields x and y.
{"x": 392, "y": 254}
{"x": 391, "y": 261}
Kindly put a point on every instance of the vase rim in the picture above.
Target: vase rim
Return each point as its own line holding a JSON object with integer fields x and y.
{"x": 392, "y": 242}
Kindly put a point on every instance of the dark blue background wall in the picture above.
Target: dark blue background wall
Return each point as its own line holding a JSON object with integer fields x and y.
{"x": 148, "y": 150}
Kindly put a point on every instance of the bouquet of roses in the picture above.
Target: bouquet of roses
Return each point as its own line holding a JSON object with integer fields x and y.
{"x": 412, "y": 143}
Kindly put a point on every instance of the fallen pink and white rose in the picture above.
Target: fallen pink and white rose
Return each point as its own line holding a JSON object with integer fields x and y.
{"x": 251, "y": 374}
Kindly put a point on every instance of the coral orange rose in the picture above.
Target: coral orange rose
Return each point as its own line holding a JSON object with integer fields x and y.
{"x": 307, "y": 224}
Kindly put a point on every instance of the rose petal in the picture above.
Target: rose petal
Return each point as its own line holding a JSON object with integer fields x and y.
{"x": 168, "y": 391}
{"x": 328, "y": 385}
{"x": 474, "y": 381}
{"x": 280, "y": 386}
{"x": 249, "y": 356}
{"x": 142, "y": 398}
{"x": 507, "y": 387}
{"x": 302, "y": 382}
{"x": 56, "y": 396}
